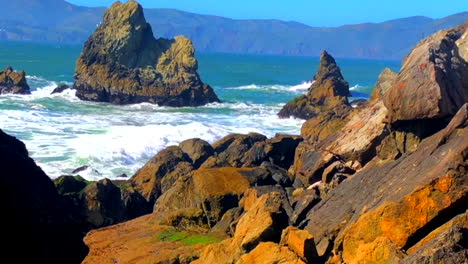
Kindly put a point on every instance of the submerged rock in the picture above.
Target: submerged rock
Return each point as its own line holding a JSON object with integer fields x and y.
{"x": 12, "y": 82}
{"x": 61, "y": 88}
{"x": 329, "y": 91}
{"x": 122, "y": 63}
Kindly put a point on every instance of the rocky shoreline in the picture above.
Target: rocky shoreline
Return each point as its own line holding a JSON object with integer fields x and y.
{"x": 383, "y": 182}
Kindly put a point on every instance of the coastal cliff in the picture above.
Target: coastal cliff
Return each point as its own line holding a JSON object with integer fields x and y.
{"x": 123, "y": 63}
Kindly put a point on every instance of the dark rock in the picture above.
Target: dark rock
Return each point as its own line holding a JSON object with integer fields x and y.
{"x": 232, "y": 149}
{"x": 123, "y": 175}
{"x": 328, "y": 91}
{"x": 122, "y": 63}
{"x": 305, "y": 202}
{"x": 134, "y": 204}
{"x": 227, "y": 225}
{"x": 278, "y": 174}
{"x": 80, "y": 169}
{"x": 278, "y": 150}
{"x": 60, "y": 88}
{"x": 198, "y": 150}
{"x": 12, "y": 82}
{"x": 103, "y": 204}
{"x": 70, "y": 184}
{"x": 34, "y": 218}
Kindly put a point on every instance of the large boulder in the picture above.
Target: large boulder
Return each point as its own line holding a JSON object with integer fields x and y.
{"x": 231, "y": 150}
{"x": 214, "y": 191}
{"x": 32, "y": 214}
{"x": 103, "y": 204}
{"x": 329, "y": 90}
{"x": 198, "y": 150}
{"x": 12, "y": 82}
{"x": 278, "y": 150}
{"x": 123, "y": 63}
{"x": 159, "y": 173}
{"x": 433, "y": 82}
{"x": 388, "y": 208}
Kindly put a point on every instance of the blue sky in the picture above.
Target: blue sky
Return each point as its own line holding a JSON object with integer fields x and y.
{"x": 311, "y": 12}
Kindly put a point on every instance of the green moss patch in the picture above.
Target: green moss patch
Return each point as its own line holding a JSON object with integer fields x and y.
{"x": 191, "y": 239}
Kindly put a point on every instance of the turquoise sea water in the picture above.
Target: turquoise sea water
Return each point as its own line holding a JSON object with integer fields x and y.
{"x": 63, "y": 133}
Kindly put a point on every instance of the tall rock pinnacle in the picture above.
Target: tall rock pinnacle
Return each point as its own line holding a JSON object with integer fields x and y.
{"x": 329, "y": 90}
{"x": 123, "y": 63}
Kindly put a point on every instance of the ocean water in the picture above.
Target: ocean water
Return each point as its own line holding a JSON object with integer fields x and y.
{"x": 63, "y": 133}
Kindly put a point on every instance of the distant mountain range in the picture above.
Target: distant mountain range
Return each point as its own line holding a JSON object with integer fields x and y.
{"x": 58, "y": 21}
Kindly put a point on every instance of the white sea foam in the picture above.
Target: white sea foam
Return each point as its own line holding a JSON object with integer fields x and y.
{"x": 303, "y": 87}
{"x": 355, "y": 87}
{"x": 63, "y": 133}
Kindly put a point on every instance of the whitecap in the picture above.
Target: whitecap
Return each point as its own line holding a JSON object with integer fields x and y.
{"x": 302, "y": 87}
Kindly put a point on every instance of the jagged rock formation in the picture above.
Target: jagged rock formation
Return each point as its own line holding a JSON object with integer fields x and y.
{"x": 433, "y": 80}
{"x": 122, "y": 63}
{"x": 329, "y": 93}
{"x": 387, "y": 211}
{"x": 12, "y": 82}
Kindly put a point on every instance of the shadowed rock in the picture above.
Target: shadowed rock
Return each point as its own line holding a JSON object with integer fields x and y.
{"x": 122, "y": 63}
{"x": 32, "y": 214}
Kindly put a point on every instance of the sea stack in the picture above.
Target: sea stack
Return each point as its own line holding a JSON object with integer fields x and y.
{"x": 123, "y": 63}
{"x": 329, "y": 92}
{"x": 12, "y": 82}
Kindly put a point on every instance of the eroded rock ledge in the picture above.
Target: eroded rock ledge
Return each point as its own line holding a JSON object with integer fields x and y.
{"x": 123, "y": 63}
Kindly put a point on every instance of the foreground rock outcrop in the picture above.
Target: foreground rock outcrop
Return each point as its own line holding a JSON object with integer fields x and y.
{"x": 329, "y": 93}
{"x": 122, "y": 63}
{"x": 12, "y": 82}
{"x": 36, "y": 227}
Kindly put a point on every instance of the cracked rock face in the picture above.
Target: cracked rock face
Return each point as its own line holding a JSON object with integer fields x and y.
{"x": 123, "y": 63}
{"x": 433, "y": 82}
